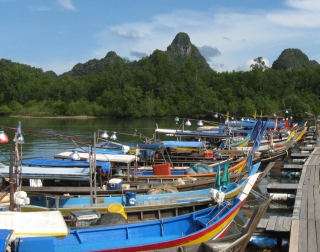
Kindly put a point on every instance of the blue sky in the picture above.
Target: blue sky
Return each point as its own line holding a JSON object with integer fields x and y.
{"x": 57, "y": 34}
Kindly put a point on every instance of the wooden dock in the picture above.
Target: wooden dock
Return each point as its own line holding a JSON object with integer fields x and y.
{"x": 282, "y": 187}
{"x": 300, "y": 155}
{"x": 275, "y": 224}
{"x": 305, "y": 224}
{"x": 292, "y": 167}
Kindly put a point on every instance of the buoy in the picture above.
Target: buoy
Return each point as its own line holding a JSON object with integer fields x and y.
{"x": 282, "y": 196}
{"x": 299, "y": 161}
{"x": 290, "y": 174}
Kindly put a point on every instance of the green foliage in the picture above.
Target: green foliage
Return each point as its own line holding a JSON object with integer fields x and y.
{"x": 177, "y": 82}
{"x": 5, "y": 110}
{"x": 259, "y": 64}
{"x": 15, "y": 107}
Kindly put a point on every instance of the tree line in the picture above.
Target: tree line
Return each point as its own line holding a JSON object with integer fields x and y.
{"x": 156, "y": 87}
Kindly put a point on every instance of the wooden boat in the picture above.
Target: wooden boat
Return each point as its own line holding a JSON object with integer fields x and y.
{"x": 141, "y": 183}
{"x": 142, "y": 202}
{"x": 236, "y": 167}
{"x": 200, "y": 226}
{"x": 140, "y": 186}
{"x": 236, "y": 242}
{"x": 42, "y": 172}
{"x": 281, "y": 151}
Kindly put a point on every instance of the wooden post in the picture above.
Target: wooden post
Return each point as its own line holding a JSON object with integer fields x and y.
{"x": 12, "y": 182}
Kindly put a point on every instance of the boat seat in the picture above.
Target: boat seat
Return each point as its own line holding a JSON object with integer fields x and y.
{"x": 201, "y": 222}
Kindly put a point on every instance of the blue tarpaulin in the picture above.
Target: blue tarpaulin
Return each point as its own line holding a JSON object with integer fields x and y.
{"x": 190, "y": 144}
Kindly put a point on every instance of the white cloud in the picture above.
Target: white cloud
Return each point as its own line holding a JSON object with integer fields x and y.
{"x": 238, "y": 36}
{"x": 67, "y": 4}
{"x": 302, "y": 13}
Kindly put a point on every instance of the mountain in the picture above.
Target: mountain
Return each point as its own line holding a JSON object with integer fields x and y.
{"x": 293, "y": 59}
{"x": 93, "y": 66}
{"x": 181, "y": 49}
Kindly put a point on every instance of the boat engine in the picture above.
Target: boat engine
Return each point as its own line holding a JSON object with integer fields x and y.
{"x": 217, "y": 196}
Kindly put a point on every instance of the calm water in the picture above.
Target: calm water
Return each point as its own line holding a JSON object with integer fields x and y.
{"x": 39, "y": 145}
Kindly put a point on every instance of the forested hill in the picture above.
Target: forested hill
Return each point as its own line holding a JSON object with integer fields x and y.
{"x": 175, "y": 82}
{"x": 180, "y": 50}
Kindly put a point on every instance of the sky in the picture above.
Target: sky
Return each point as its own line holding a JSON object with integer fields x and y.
{"x": 57, "y": 34}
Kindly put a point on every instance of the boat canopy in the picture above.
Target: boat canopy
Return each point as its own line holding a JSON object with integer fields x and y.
{"x": 210, "y": 133}
{"x": 101, "y": 150}
{"x": 43, "y": 162}
{"x": 190, "y": 144}
{"x": 251, "y": 124}
{"x": 99, "y": 157}
{"x": 32, "y": 172}
{"x": 132, "y": 145}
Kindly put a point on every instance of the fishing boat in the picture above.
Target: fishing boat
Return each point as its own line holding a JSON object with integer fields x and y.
{"x": 57, "y": 177}
{"x": 233, "y": 242}
{"x": 71, "y": 170}
{"x": 200, "y": 226}
{"x": 140, "y": 186}
{"x": 142, "y": 202}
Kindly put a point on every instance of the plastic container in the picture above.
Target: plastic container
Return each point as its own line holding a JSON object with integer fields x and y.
{"x": 208, "y": 154}
{"x": 131, "y": 198}
{"x": 83, "y": 218}
{"x": 161, "y": 169}
{"x": 117, "y": 208}
{"x": 115, "y": 184}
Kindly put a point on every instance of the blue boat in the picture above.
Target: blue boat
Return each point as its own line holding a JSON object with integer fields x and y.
{"x": 200, "y": 226}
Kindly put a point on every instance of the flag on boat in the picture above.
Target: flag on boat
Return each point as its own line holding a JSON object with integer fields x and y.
{"x": 261, "y": 129}
{"x": 255, "y": 132}
{"x": 225, "y": 179}
{"x": 18, "y": 137}
{"x": 217, "y": 183}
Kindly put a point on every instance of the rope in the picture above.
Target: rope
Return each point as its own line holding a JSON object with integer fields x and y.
{"x": 237, "y": 225}
{"x": 226, "y": 206}
{"x": 265, "y": 197}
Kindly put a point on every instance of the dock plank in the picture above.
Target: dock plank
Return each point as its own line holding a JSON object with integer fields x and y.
{"x": 316, "y": 175}
{"x": 263, "y": 223}
{"x": 318, "y": 233}
{"x": 312, "y": 237}
{"x": 294, "y": 236}
{"x": 316, "y": 194}
{"x": 307, "y": 177}
{"x": 282, "y": 187}
{"x": 279, "y": 224}
{"x": 300, "y": 155}
{"x": 303, "y": 235}
{"x": 312, "y": 174}
{"x": 287, "y": 222}
{"x": 311, "y": 195}
{"x": 304, "y": 203}
{"x": 292, "y": 167}
{"x": 271, "y": 223}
